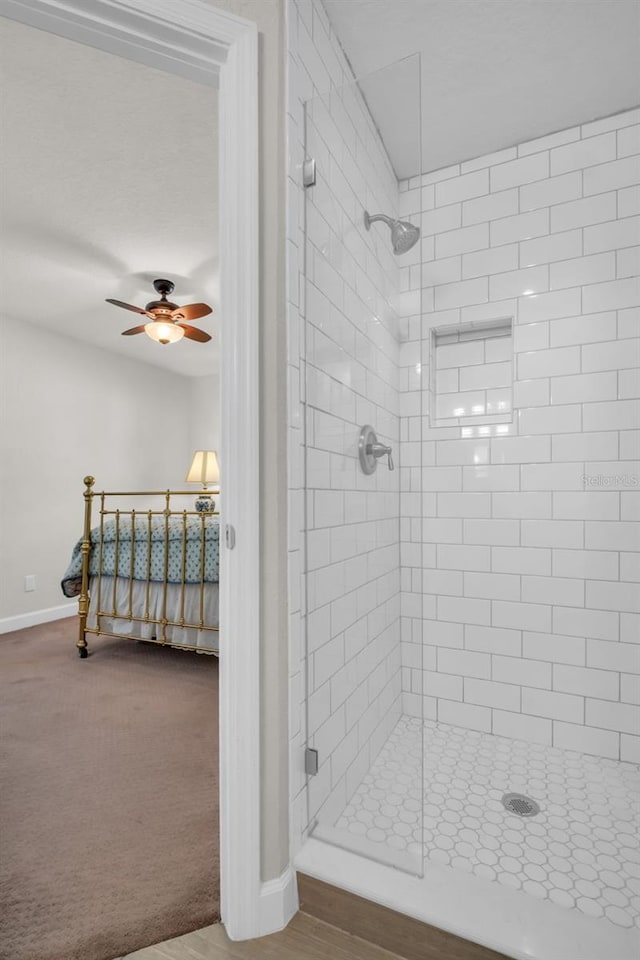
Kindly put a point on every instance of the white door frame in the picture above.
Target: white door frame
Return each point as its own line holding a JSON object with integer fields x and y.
{"x": 196, "y": 40}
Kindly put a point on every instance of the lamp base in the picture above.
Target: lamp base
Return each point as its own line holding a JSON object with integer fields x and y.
{"x": 205, "y": 504}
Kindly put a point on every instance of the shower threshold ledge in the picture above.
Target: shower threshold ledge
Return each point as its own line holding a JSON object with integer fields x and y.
{"x": 505, "y": 920}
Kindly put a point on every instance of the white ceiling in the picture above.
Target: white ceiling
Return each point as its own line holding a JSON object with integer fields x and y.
{"x": 108, "y": 180}
{"x": 494, "y": 72}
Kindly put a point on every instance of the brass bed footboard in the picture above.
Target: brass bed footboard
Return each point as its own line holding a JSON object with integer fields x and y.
{"x": 98, "y": 599}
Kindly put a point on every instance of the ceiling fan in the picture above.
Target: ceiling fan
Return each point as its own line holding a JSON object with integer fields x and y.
{"x": 166, "y": 320}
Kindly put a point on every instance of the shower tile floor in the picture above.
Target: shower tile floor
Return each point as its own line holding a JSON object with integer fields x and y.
{"x": 581, "y": 851}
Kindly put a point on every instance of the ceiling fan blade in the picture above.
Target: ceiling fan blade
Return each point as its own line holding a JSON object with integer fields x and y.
{"x": 193, "y": 333}
{"x": 127, "y": 306}
{"x": 191, "y": 311}
{"x": 130, "y": 333}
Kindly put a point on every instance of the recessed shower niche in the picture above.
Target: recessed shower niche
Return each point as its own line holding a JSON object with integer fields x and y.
{"x": 471, "y": 373}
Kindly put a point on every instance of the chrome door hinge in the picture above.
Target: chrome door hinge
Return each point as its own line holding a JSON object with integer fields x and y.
{"x": 230, "y": 536}
{"x": 309, "y": 173}
{"x": 310, "y": 762}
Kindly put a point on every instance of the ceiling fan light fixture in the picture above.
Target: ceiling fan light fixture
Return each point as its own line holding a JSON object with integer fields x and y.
{"x": 167, "y": 320}
{"x": 163, "y": 332}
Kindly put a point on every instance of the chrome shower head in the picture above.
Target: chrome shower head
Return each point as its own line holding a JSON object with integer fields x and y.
{"x": 403, "y": 234}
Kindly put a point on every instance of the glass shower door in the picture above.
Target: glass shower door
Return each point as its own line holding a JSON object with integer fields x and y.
{"x": 362, "y": 578}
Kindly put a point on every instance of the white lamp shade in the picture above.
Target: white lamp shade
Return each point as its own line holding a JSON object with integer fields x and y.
{"x": 163, "y": 332}
{"x": 204, "y": 468}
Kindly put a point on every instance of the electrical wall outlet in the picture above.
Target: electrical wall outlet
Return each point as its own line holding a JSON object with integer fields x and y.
{"x": 29, "y": 582}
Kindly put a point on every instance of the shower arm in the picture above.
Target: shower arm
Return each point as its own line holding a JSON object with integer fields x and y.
{"x": 368, "y": 219}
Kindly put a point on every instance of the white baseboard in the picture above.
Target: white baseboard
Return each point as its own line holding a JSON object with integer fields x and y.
{"x": 278, "y": 902}
{"x": 23, "y": 620}
{"x": 277, "y": 905}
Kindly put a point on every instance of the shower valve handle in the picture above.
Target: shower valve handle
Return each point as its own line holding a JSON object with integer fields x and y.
{"x": 370, "y": 450}
{"x": 378, "y": 450}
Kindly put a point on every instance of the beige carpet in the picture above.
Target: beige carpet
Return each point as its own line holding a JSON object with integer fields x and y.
{"x": 108, "y": 795}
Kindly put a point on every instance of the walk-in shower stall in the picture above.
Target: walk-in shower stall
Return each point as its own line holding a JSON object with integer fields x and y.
{"x": 470, "y": 485}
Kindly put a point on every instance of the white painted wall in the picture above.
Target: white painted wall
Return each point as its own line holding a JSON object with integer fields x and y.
{"x": 204, "y": 415}
{"x": 523, "y": 585}
{"x": 69, "y": 409}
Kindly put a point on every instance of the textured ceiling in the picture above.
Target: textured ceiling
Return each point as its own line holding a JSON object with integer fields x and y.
{"x": 494, "y": 72}
{"x": 108, "y": 180}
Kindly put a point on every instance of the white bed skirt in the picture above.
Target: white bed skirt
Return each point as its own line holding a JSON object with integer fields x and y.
{"x": 203, "y": 640}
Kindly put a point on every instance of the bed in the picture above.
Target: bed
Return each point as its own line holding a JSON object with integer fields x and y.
{"x": 149, "y": 573}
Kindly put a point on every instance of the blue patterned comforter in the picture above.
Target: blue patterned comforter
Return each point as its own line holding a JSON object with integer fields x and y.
{"x": 141, "y": 551}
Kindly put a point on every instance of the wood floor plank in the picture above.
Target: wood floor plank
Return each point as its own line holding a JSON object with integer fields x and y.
{"x": 409, "y": 938}
{"x": 333, "y": 923}
{"x": 310, "y": 935}
{"x": 306, "y": 938}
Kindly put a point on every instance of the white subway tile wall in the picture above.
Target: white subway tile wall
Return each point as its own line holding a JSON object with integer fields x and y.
{"x": 531, "y": 596}
{"x": 491, "y": 582}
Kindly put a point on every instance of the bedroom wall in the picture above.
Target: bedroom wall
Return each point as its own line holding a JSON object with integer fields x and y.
{"x": 529, "y": 570}
{"x": 204, "y": 416}
{"x": 69, "y": 409}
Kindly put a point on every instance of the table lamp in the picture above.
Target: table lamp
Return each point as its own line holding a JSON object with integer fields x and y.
{"x": 204, "y": 469}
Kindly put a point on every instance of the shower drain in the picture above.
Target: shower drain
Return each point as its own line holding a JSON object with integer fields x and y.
{"x": 519, "y": 804}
